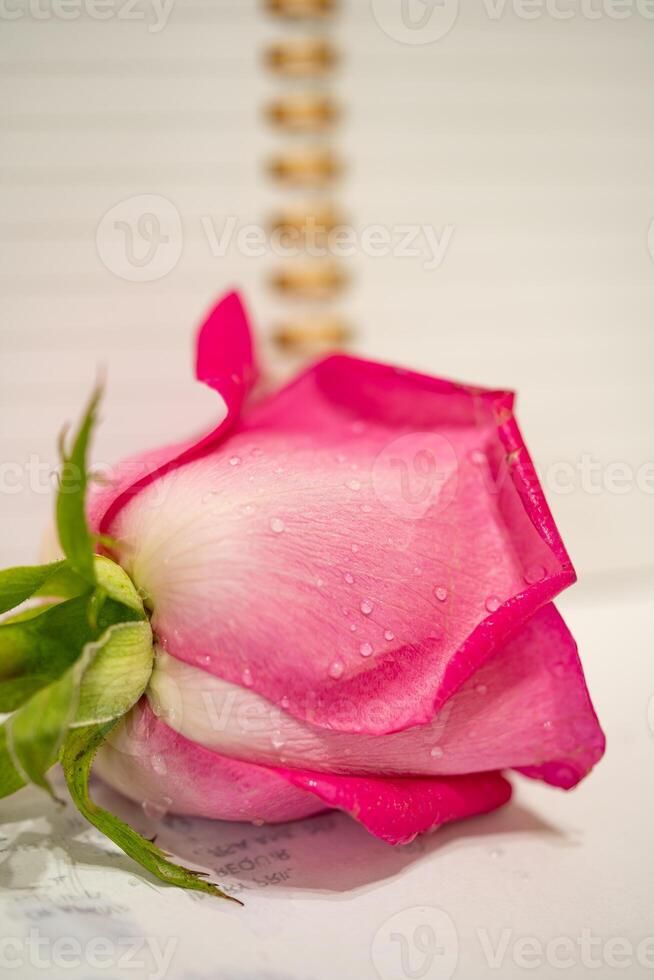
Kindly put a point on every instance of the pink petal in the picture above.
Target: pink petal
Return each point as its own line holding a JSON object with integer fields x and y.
{"x": 150, "y": 763}
{"x": 397, "y": 810}
{"x": 261, "y": 555}
{"x": 225, "y": 362}
{"x": 526, "y": 708}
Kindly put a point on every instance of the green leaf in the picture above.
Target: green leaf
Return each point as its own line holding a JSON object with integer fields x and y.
{"x": 74, "y": 535}
{"x": 10, "y": 779}
{"x": 36, "y": 731}
{"x": 118, "y": 675}
{"x": 34, "y": 651}
{"x": 76, "y": 759}
{"x": 37, "y": 647}
{"x": 19, "y": 584}
{"x": 31, "y": 613}
{"x": 63, "y": 584}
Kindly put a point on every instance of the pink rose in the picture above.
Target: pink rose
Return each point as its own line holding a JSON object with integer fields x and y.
{"x": 351, "y": 585}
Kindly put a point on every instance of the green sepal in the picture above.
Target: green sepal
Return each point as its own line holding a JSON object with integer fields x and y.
{"x": 36, "y": 731}
{"x": 115, "y": 581}
{"x": 19, "y": 584}
{"x": 118, "y": 675}
{"x": 10, "y": 779}
{"x": 76, "y": 759}
{"x": 37, "y": 647}
{"x": 74, "y": 536}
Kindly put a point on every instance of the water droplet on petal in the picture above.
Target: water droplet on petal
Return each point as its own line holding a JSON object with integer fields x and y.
{"x": 156, "y": 809}
{"x": 206, "y": 659}
{"x": 354, "y": 485}
{"x": 366, "y": 650}
{"x": 477, "y": 457}
{"x": 496, "y": 853}
{"x": 481, "y": 689}
{"x": 353, "y": 628}
{"x": 436, "y": 752}
{"x": 417, "y": 570}
{"x": 389, "y": 635}
{"x": 367, "y": 606}
{"x": 234, "y": 460}
{"x": 366, "y": 508}
{"x": 284, "y": 703}
{"x": 349, "y": 578}
{"x": 336, "y": 669}
{"x": 493, "y": 603}
{"x": 159, "y": 765}
{"x": 355, "y": 548}
{"x": 258, "y": 822}
{"x": 277, "y": 740}
{"x": 246, "y": 677}
{"x": 441, "y": 593}
{"x": 277, "y": 525}
{"x": 534, "y": 573}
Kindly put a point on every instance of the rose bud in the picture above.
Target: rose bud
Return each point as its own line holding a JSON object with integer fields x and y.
{"x": 350, "y": 585}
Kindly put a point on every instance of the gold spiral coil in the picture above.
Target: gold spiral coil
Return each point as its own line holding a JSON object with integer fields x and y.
{"x": 301, "y": 57}
{"x": 307, "y": 112}
{"x": 318, "y": 279}
{"x": 311, "y": 333}
{"x": 312, "y": 166}
{"x": 299, "y": 9}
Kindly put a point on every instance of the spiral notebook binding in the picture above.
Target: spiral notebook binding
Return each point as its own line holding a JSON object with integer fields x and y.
{"x": 306, "y": 114}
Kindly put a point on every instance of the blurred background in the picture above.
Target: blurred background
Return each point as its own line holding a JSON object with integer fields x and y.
{"x": 488, "y": 169}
